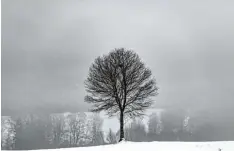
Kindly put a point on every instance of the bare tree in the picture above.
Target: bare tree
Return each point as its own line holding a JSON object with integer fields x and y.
{"x": 76, "y": 128}
{"x": 136, "y": 131}
{"x": 58, "y": 130}
{"x": 119, "y": 83}
{"x": 154, "y": 127}
{"x": 154, "y": 123}
{"x": 7, "y": 133}
{"x": 18, "y": 131}
{"x": 3, "y": 134}
{"x": 97, "y": 133}
{"x": 111, "y": 137}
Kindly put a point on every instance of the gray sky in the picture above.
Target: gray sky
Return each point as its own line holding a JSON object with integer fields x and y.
{"x": 48, "y": 46}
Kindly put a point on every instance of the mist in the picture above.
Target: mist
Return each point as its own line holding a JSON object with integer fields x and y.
{"x": 48, "y": 46}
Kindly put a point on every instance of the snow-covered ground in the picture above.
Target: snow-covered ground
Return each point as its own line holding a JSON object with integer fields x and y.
{"x": 159, "y": 146}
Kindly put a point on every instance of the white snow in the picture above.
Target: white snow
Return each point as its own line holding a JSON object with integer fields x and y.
{"x": 158, "y": 146}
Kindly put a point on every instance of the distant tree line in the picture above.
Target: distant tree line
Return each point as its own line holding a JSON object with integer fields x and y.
{"x": 55, "y": 131}
{"x": 74, "y": 130}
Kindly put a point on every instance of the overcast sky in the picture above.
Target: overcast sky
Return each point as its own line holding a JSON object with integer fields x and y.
{"x": 48, "y": 46}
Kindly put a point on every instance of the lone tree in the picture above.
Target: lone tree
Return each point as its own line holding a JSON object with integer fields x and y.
{"x": 120, "y": 84}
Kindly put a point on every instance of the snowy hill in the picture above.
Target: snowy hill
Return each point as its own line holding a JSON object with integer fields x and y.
{"x": 159, "y": 146}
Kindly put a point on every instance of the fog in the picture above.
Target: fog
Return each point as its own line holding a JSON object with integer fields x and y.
{"x": 48, "y": 46}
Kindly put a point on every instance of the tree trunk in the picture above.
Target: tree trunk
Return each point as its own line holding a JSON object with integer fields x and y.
{"x": 121, "y": 126}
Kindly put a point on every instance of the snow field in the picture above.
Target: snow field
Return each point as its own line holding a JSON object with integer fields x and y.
{"x": 158, "y": 146}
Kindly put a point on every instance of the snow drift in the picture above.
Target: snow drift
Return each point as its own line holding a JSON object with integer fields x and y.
{"x": 158, "y": 146}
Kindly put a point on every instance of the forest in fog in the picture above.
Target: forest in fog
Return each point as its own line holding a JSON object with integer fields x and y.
{"x": 86, "y": 129}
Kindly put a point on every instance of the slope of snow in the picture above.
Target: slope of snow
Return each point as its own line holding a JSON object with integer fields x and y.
{"x": 159, "y": 146}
